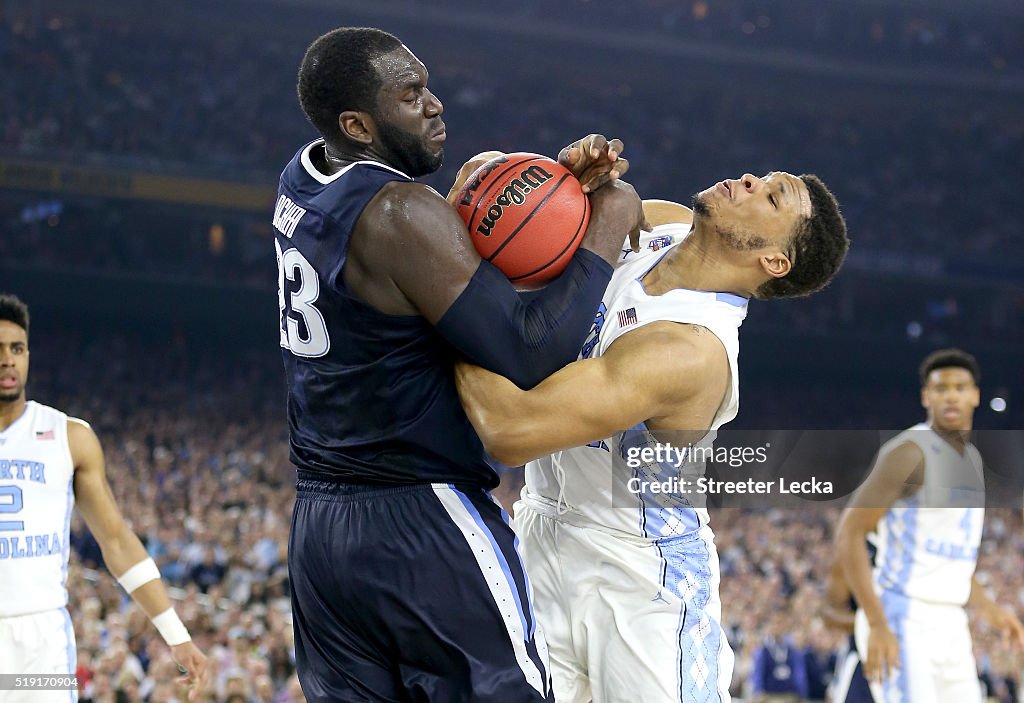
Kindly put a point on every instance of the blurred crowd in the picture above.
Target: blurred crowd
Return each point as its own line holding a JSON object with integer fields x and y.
{"x": 917, "y": 170}
{"x": 875, "y": 30}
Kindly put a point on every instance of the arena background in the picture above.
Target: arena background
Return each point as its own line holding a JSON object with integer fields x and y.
{"x": 139, "y": 150}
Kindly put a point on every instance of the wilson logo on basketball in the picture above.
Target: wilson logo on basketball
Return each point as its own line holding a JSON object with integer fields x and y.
{"x": 526, "y": 214}
{"x": 514, "y": 194}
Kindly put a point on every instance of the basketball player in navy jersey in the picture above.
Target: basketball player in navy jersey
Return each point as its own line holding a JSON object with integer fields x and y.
{"x": 49, "y": 463}
{"x": 849, "y": 685}
{"x": 406, "y": 583}
{"x": 627, "y": 578}
{"x": 925, "y": 500}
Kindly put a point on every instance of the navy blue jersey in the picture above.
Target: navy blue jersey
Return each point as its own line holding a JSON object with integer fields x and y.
{"x": 371, "y": 396}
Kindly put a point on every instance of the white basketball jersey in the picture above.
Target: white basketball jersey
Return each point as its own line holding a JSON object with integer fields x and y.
{"x": 597, "y": 478}
{"x": 36, "y": 498}
{"x": 928, "y": 542}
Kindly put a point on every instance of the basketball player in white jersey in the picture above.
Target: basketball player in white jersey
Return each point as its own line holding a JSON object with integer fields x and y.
{"x": 50, "y": 462}
{"x": 925, "y": 498}
{"x": 626, "y": 580}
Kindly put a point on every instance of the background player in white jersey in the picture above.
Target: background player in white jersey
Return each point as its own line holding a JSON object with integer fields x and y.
{"x": 925, "y": 498}
{"x": 48, "y": 463}
{"x": 626, "y": 582}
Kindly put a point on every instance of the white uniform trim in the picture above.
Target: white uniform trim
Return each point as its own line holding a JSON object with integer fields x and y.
{"x": 506, "y": 596}
{"x": 312, "y": 170}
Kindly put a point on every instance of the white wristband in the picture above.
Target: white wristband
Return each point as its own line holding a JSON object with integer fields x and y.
{"x": 171, "y": 628}
{"x": 139, "y": 575}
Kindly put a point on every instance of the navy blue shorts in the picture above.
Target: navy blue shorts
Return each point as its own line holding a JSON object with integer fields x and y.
{"x": 849, "y": 684}
{"x": 411, "y": 593}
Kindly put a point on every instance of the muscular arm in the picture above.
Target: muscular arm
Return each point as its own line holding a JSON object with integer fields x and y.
{"x": 120, "y": 546}
{"x": 665, "y": 373}
{"x": 413, "y": 255}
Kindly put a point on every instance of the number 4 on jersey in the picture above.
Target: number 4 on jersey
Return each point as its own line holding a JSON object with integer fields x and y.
{"x": 294, "y": 267}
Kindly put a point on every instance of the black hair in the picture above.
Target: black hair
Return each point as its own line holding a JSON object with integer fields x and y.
{"x": 336, "y": 75}
{"x": 947, "y": 359}
{"x": 817, "y": 249}
{"x": 13, "y": 309}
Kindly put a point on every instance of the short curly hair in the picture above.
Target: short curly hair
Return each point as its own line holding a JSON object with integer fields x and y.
{"x": 949, "y": 359}
{"x": 13, "y": 309}
{"x": 818, "y": 247}
{"x": 336, "y": 75}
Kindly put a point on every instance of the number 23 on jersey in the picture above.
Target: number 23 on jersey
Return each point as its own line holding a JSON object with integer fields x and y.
{"x": 303, "y": 330}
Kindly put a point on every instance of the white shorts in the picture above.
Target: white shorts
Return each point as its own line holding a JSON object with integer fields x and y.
{"x": 626, "y": 619}
{"x": 936, "y": 655}
{"x": 38, "y": 643}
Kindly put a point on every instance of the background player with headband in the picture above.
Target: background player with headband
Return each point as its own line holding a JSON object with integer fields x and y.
{"x": 627, "y": 582}
{"x": 925, "y": 497}
{"x": 49, "y": 463}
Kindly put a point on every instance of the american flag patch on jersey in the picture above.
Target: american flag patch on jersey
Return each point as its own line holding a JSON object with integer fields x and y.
{"x": 48, "y": 434}
{"x": 627, "y": 317}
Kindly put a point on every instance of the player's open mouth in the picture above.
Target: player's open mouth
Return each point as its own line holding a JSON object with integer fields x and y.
{"x": 724, "y": 187}
{"x": 8, "y": 381}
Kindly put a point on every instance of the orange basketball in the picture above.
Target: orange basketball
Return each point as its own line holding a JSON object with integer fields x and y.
{"x": 526, "y": 215}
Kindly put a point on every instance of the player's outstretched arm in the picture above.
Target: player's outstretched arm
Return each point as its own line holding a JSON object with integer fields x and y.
{"x": 422, "y": 245}
{"x": 998, "y": 618}
{"x": 887, "y": 481}
{"x": 124, "y": 554}
{"x": 663, "y": 372}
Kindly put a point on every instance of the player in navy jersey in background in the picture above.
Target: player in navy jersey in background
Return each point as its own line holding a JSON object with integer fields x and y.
{"x": 849, "y": 685}
{"x": 406, "y": 584}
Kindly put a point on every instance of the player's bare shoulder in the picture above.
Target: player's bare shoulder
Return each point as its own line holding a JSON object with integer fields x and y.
{"x": 684, "y": 362}
{"x": 901, "y": 462}
{"x": 405, "y": 212}
{"x": 682, "y": 347}
{"x": 84, "y": 445}
{"x": 665, "y": 212}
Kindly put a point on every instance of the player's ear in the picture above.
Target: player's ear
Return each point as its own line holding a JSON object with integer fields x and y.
{"x": 924, "y": 398}
{"x": 776, "y": 264}
{"x": 357, "y": 126}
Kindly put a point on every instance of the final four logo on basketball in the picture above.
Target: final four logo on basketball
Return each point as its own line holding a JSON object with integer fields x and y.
{"x": 514, "y": 193}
